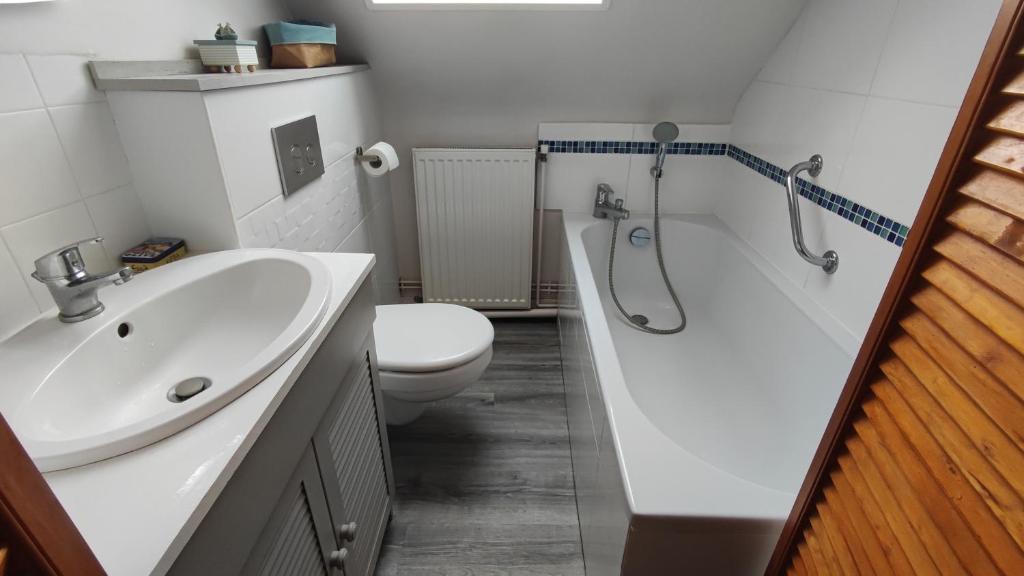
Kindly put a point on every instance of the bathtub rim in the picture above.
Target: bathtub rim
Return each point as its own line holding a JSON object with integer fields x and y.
{"x": 683, "y": 485}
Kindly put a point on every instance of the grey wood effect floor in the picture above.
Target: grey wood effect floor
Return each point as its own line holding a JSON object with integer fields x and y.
{"x": 484, "y": 479}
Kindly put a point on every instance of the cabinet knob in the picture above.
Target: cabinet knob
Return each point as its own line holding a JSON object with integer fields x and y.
{"x": 337, "y": 559}
{"x": 347, "y": 532}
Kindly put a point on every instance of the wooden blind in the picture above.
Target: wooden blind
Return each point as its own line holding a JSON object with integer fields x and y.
{"x": 921, "y": 470}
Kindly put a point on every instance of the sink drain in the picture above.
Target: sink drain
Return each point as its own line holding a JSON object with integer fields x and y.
{"x": 188, "y": 388}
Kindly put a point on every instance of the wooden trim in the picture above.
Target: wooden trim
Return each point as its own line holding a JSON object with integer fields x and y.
{"x": 40, "y": 527}
{"x": 982, "y": 89}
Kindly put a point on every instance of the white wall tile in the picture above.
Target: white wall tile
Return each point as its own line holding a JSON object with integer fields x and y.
{"x": 316, "y": 218}
{"x": 17, "y": 307}
{"x": 865, "y": 264}
{"x": 822, "y": 92}
{"x": 733, "y": 201}
{"x": 19, "y": 91}
{"x": 241, "y": 128}
{"x": 842, "y": 43}
{"x": 894, "y": 155}
{"x": 802, "y": 122}
{"x": 781, "y": 66}
{"x": 689, "y": 184}
{"x": 933, "y": 49}
{"x": 32, "y": 238}
{"x": 34, "y": 175}
{"x": 119, "y": 219}
{"x": 771, "y": 235}
{"x": 93, "y": 146}
{"x": 572, "y": 180}
{"x": 687, "y": 132}
{"x": 64, "y": 79}
{"x": 756, "y": 125}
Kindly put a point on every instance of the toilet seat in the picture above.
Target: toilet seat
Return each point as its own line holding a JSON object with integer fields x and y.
{"x": 429, "y": 338}
{"x": 433, "y": 386}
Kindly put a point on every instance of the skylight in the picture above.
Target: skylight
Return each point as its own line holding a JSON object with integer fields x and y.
{"x": 470, "y": 4}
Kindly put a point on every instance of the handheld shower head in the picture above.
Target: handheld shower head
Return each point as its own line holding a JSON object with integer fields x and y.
{"x": 664, "y": 133}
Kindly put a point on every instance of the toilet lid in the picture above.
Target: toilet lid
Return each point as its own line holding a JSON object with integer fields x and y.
{"x": 429, "y": 337}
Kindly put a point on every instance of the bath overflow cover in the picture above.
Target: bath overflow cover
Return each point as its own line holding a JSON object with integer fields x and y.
{"x": 640, "y": 236}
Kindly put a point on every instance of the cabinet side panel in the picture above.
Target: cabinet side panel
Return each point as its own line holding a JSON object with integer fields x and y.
{"x": 175, "y": 167}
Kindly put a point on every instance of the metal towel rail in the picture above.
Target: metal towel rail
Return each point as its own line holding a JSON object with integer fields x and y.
{"x": 829, "y": 261}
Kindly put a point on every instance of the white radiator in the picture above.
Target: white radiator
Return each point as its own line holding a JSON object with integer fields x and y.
{"x": 474, "y": 208}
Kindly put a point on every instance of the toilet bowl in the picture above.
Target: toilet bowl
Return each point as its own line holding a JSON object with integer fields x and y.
{"x": 428, "y": 352}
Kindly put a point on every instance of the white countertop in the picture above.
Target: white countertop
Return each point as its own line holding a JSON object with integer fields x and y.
{"x": 188, "y": 76}
{"x": 138, "y": 510}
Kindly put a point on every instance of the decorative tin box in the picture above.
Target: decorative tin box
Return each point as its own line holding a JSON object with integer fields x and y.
{"x": 153, "y": 253}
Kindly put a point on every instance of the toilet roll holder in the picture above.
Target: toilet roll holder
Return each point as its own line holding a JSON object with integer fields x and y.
{"x": 374, "y": 161}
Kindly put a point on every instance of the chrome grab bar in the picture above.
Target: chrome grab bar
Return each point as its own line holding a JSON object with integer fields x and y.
{"x": 829, "y": 261}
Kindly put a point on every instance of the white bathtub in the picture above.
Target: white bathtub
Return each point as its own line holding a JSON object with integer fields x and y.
{"x": 689, "y": 449}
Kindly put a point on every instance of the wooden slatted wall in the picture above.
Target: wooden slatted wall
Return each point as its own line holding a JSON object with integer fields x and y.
{"x": 922, "y": 471}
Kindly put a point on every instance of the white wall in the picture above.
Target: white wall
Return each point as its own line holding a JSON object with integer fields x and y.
{"x": 873, "y": 86}
{"x": 63, "y": 177}
{"x": 63, "y": 172}
{"x": 488, "y": 78}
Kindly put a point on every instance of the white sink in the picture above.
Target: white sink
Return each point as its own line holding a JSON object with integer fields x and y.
{"x": 79, "y": 393}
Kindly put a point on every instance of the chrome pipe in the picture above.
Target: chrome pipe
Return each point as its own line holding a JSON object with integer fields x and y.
{"x": 829, "y": 261}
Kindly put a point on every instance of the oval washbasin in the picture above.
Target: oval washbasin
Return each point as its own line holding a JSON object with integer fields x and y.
{"x": 174, "y": 346}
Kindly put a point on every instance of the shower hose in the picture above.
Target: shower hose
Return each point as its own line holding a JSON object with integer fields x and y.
{"x": 638, "y": 321}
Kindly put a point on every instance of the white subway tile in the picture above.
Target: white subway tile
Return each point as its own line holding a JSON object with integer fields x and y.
{"x": 34, "y": 175}
{"x": 894, "y": 155}
{"x": 93, "y": 146}
{"x": 842, "y": 43}
{"x": 34, "y": 237}
{"x": 64, "y": 79}
{"x": 933, "y": 48}
{"x": 119, "y": 218}
{"x": 17, "y": 307}
{"x": 19, "y": 91}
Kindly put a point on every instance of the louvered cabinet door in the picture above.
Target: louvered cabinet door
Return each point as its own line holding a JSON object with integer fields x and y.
{"x": 298, "y": 540}
{"x": 350, "y": 449}
{"x": 922, "y": 471}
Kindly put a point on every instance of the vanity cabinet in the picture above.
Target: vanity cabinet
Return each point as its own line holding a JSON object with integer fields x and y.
{"x": 298, "y": 539}
{"x": 313, "y": 496}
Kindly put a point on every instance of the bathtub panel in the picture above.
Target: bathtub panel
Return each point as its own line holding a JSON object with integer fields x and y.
{"x": 610, "y": 517}
{"x": 595, "y": 401}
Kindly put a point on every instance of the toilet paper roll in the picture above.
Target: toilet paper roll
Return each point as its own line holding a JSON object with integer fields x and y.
{"x": 380, "y": 159}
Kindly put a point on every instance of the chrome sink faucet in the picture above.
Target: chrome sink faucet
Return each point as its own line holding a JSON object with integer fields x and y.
{"x": 73, "y": 288}
{"x": 603, "y": 208}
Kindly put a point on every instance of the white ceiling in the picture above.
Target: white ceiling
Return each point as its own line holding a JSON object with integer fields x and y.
{"x": 639, "y": 60}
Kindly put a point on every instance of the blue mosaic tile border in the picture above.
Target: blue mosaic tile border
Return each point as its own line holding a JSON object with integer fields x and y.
{"x": 628, "y": 147}
{"x": 879, "y": 225}
{"x": 885, "y": 228}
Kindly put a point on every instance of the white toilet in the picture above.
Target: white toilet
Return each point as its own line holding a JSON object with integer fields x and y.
{"x": 427, "y": 352}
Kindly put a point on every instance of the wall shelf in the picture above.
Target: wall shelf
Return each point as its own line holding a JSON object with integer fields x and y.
{"x": 188, "y": 75}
